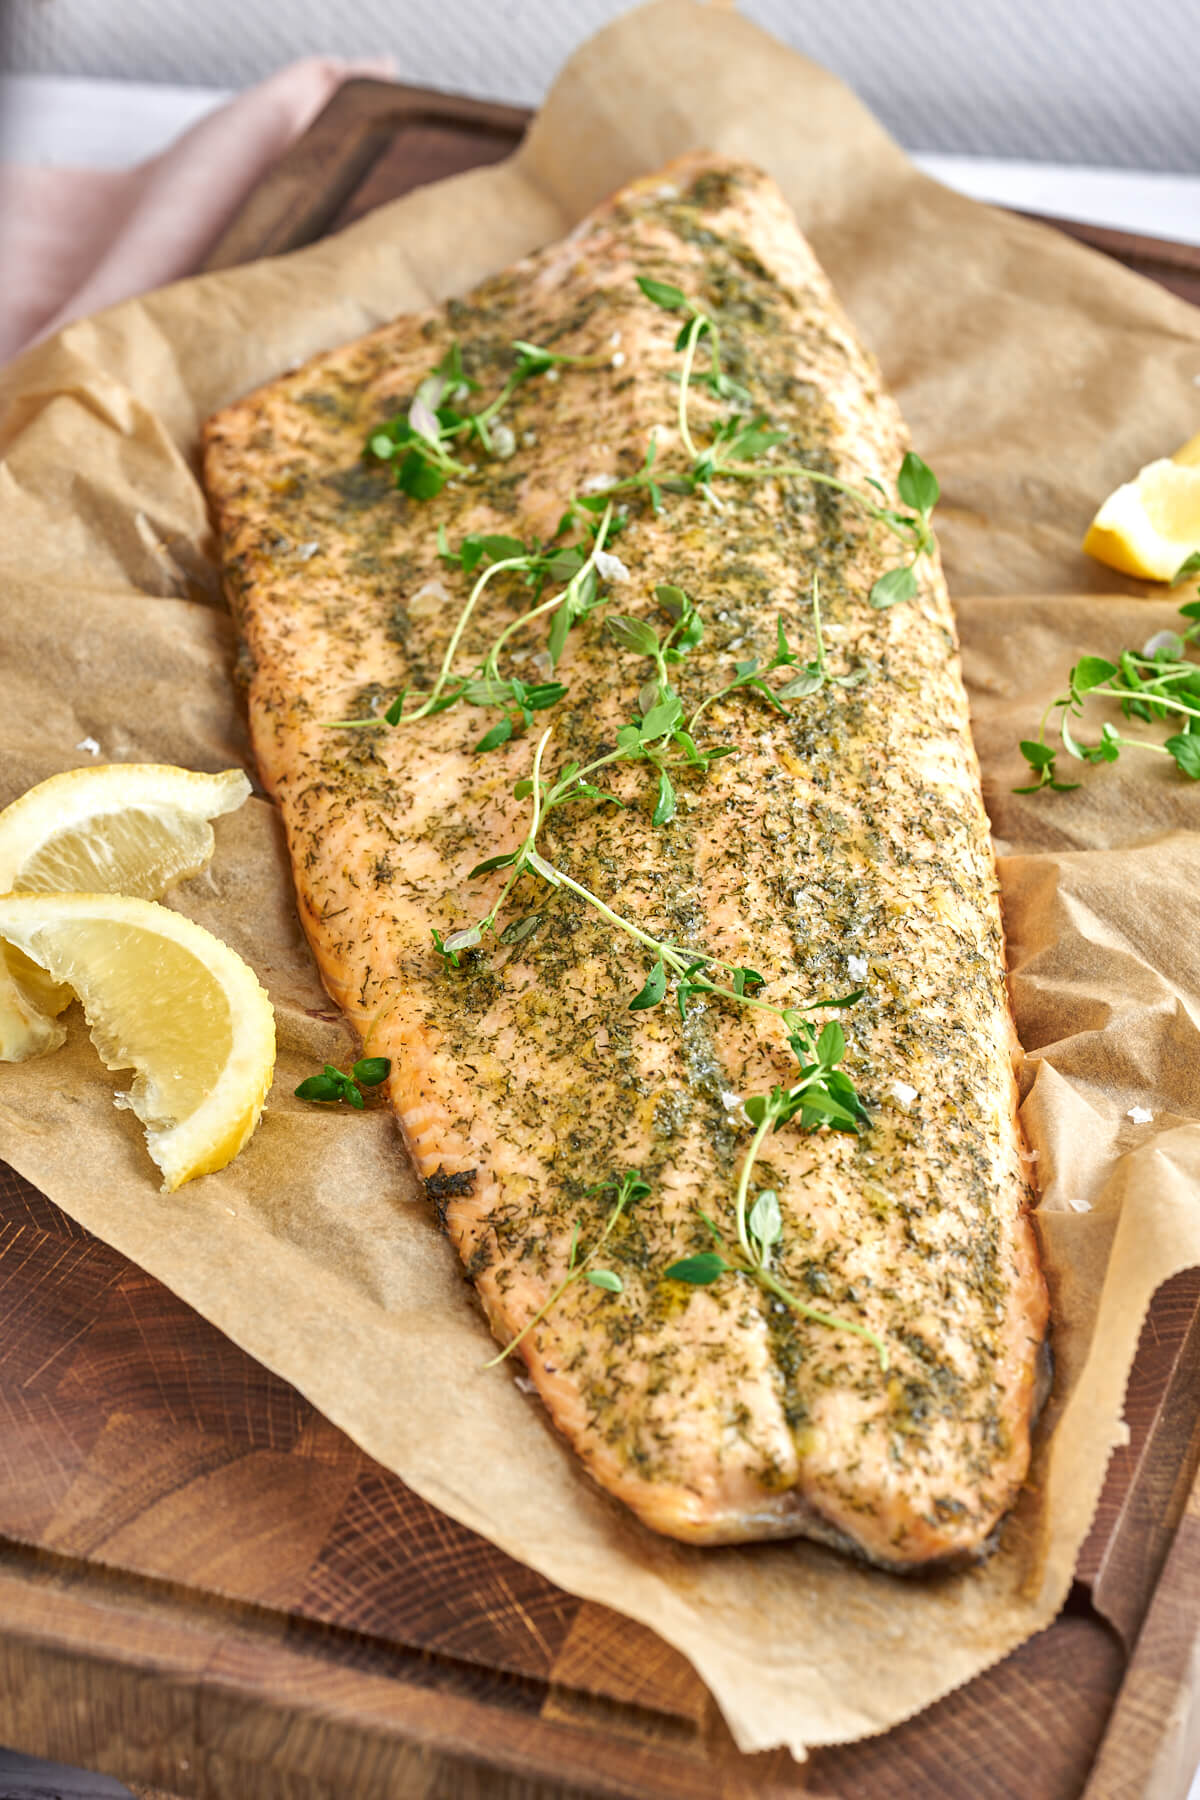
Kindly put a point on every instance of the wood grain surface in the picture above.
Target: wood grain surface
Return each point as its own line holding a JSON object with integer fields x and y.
{"x": 199, "y": 1574}
{"x": 207, "y": 1589}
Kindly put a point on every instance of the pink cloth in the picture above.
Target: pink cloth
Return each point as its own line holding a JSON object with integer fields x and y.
{"x": 75, "y": 240}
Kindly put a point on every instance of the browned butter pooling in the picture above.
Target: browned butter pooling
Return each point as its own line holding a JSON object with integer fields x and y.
{"x": 853, "y": 828}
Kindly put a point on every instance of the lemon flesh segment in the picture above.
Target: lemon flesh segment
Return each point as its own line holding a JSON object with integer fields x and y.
{"x": 29, "y": 1007}
{"x": 1151, "y": 524}
{"x": 130, "y": 828}
{"x": 165, "y": 998}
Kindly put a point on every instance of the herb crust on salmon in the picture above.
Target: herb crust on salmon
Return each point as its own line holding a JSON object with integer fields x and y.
{"x": 706, "y": 1064}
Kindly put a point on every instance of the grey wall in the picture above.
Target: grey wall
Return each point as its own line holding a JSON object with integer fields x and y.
{"x": 1089, "y": 81}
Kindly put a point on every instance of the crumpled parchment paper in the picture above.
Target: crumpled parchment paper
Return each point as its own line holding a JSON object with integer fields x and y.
{"x": 1034, "y": 375}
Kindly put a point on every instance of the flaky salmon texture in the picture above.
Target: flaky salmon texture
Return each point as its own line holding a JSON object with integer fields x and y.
{"x": 844, "y": 845}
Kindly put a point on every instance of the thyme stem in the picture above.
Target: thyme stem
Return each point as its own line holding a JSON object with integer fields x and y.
{"x": 756, "y": 1265}
{"x": 699, "y": 321}
{"x": 491, "y": 662}
{"x": 680, "y": 961}
{"x": 765, "y": 1279}
{"x": 628, "y": 1188}
{"x": 541, "y": 1312}
{"x": 496, "y": 568}
{"x": 1158, "y": 698}
{"x": 743, "y": 1187}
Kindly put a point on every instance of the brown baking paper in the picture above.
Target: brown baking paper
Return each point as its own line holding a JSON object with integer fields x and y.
{"x": 1035, "y": 375}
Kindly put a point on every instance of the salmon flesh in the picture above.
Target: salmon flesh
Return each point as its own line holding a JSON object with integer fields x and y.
{"x": 843, "y": 845}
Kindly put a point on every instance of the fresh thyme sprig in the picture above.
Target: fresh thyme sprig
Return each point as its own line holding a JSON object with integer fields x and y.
{"x": 658, "y": 736}
{"x": 1157, "y": 683}
{"x": 693, "y": 970}
{"x": 697, "y": 325}
{"x": 657, "y": 699}
{"x": 486, "y": 686}
{"x": 573, "y": 782}
{"x": 917, "y": 485}
{"x": 641, "y": 638}
{"x": 760, "y": 1227}
{"x": 812, "y": 676}
{"x": 740, "y": 445}
{"x": 332, "y": 1086}
{"x": 641, "y": 481}
{"x": 630, "y": 1188}
{"x": 417, "y": 443}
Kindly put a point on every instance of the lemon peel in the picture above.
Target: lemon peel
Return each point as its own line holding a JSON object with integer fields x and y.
{"x": 1148, "y": 526}
{"x": 169, "y": 1000}
{"x": 130, "y": 828}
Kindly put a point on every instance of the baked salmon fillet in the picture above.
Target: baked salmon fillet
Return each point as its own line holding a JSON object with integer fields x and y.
{"x": 841, "y": 846}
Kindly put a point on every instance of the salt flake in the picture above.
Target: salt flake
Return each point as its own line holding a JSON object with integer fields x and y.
{"x": 610, "y": 568}
{"x": 856, "y": 967}
{"x": 1141, "y": 1115}
{"x": 90, "y": 745}
{"x": 902, "y": 1094}
{"x": 1080, "y": 1206}
{"x": 429, "y": 598}
{"x": 618, "y": 359}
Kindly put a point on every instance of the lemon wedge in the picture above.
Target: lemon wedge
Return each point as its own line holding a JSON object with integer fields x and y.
{"x": 164, "y": 997}
{"x": 1151, "y": 524}
{"x": 129, "y": 828}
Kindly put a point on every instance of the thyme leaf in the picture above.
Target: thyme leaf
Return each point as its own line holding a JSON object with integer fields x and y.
{"x": 664, "y": 294}
{"x": 333, "y": 1086}
{"x": 652, "y": 993}
{"x": 699, "y": 1271}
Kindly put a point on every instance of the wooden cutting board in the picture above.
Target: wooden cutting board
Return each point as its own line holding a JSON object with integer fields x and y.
{"x": 205, "y": 1586}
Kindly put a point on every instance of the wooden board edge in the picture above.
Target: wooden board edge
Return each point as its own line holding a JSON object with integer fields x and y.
{"x": 290, "y": 207}
{"x": 1153, "y": 1511}
{"x": 121, "y": 1677}
{"x": 1129, "y": 247}
{"x": 1151, "y": 1749}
